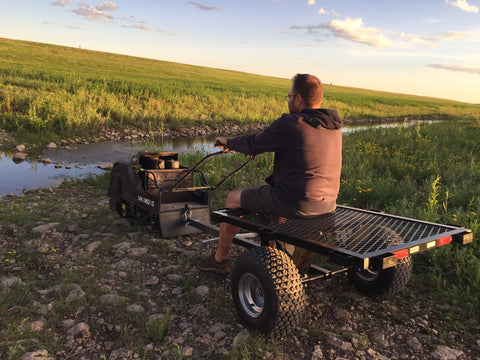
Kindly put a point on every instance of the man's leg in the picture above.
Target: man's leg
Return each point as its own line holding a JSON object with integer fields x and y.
{"x": 218, "y": 262}
{"x": 228, "y": 231}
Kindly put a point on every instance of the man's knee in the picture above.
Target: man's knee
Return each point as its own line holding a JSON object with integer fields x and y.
{"x": 233, "y": 199}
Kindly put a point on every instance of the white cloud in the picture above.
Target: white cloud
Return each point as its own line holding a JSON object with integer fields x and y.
{"x": 462, "y": 4}
{"x": 311, "y": 2}
{"x": 322, "y": 11}
{"x": 61, "y": 2}
{"x": 432, "y": 40}
{"x": 107, "y": 6}
{"x": 354, "y": 30}
{"x": 99, "y": 13}
{"x": 142, "y": 27}
{"x": 457, "y": 67}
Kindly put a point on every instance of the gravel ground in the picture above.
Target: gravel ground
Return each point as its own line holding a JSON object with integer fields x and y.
{"x": 79, "y": 282}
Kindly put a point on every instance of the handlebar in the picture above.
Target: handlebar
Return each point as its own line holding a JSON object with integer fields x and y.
{"x": 195, "y": 167}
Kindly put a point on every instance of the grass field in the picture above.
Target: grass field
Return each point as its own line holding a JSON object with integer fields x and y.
{"x": 49, "y": 92}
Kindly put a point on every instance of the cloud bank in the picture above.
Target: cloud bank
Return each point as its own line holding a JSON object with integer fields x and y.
{"x": 98, "y": 13}
{"x": 432, "y": 40}
{"x": 61, "y": 2}
{"x": 462, "y": 4}
{"x": 350, "y": 29}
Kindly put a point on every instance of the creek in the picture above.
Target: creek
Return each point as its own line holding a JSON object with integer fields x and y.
{"x": 84, "y": 159}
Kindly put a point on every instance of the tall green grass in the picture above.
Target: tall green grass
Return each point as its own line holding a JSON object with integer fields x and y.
{"x": 49, "y": 91}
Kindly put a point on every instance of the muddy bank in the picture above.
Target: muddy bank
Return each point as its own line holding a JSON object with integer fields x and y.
{"x": 7, "y": 141}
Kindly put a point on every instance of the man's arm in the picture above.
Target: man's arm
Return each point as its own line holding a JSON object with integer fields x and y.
{"x": 272, "y": 138}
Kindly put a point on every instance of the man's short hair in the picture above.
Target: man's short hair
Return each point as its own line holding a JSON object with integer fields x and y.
{"x": 309, "y": 87}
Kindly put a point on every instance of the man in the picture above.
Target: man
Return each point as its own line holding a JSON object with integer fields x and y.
{"x": 306, "y": 172}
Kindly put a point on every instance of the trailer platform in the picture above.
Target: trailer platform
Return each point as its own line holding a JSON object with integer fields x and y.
{"x": 350, "y": 233}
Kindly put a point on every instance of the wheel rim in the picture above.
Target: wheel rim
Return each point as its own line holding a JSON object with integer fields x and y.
{"x": 371, "y": 273}
{"x": 251, "y": 296}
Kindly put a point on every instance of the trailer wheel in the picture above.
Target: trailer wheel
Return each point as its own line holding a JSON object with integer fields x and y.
{"x": 376, "y": 281}
{"x": 267, "y": 291}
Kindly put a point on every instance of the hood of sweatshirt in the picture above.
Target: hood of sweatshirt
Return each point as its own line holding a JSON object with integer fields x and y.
{"x": 329, "y": 119}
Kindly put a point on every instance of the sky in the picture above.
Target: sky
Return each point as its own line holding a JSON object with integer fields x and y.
{"x": 420, "y": 47}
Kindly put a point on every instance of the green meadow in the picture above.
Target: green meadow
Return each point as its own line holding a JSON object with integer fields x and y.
{"x": 49, "y": 92}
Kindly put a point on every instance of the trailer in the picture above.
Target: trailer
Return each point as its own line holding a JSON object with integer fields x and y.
{"x": 268, "y": 279}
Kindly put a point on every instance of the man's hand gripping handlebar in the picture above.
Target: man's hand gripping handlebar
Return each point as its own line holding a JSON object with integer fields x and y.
{"x": 221, "y": 142}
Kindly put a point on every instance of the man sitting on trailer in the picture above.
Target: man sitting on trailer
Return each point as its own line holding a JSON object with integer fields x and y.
{"x": 306, "y": 171}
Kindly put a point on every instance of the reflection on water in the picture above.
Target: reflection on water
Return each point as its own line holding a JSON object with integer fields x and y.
{"x": 84, "y": 160}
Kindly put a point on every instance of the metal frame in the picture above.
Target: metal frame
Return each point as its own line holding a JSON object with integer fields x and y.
{"x": 349, "y": 236}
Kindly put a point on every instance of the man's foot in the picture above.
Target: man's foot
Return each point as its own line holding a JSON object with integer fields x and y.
{"x": 208, "y": 263}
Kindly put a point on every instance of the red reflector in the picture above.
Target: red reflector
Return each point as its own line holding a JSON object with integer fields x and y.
{"x": 444, "y": 240}
{"x": 401, "y": 253}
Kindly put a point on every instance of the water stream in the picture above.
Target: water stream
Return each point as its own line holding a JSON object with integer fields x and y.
{"x": 85, "y": 159}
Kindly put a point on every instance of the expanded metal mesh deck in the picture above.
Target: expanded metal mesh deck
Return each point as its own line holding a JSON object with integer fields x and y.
{"x": 351, "y": 231}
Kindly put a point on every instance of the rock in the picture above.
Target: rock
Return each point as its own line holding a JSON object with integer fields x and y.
{"x": 187, "y": 351}
{"x": 139, "y": 251}
{"x": 202, "y": 290}
{"x": 75, "y": 294}
{"x": 20, "y": 148}
{"x": 68, "y": 167}
{"x": 51, "y": 146}
{"x": 122, "y": 247}
{"x": 47, "y": 161}
{"x": 375, "y": 355}
{"x": 6, "y": 283}
{"x": 112, "y": 299}
{"x": 72, "y": 228}
{"x": 154, "y": 280}
{"x": 177, "y": 291}
{"x": 219, "y": 335}
{"x": 443, "y": 352}
{"x": 18, "y": 157}
{"x": 93, "y": 246}
{"x": 341, "y": 314}
{"x": 240, "y": 338}
{"x": 45, "y": 227}
{"x": 120, "y": 354}
{"x": 37, "y": 325}
{"x": 135, "y": 308}
{"x": 79, "y": 330}
{"x": 37, "y": 355}
{"x": 379, "y": 339}
{"x": 58, "y": 166}
{"x": 126, "y": 264}
{"x": 317, "y": 353}
{"x": 342, "y": 345}
{"x": 174, "y": 277}
{"x": 105, "y": 166}
{"x": 67, "y": 324}
{"x": 414, "y": 344}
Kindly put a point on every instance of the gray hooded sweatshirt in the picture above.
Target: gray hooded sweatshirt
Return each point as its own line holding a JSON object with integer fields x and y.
{"x": 308, "y": 157}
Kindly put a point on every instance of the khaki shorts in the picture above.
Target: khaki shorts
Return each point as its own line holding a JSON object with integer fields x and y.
{"x": 263, "y": 199}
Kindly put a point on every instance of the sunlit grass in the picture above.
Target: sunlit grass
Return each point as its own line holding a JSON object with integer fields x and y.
{"x": 49, "y": 92}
